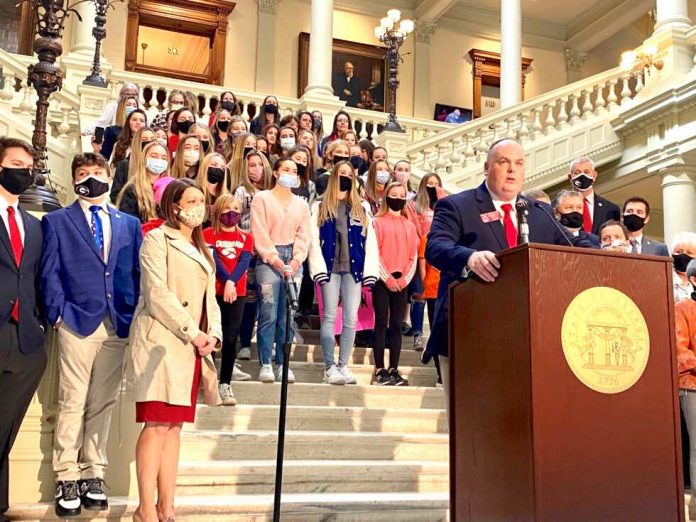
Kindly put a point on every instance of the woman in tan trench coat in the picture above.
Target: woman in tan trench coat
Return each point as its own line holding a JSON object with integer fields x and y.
{"x": 175, "y": 329}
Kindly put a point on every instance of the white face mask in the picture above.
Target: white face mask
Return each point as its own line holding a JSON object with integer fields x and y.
{"x": 177, "y": 106}
{"x": 382, "y": 177}
{"x": 191, "y": 157}
{"x": 287, "y": 143}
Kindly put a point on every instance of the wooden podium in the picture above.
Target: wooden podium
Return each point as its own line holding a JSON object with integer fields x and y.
{"x": 530, "y": 441}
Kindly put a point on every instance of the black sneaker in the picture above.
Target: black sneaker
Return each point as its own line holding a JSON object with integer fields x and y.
{"x": 67, "y": 499}
{"x": 92, "y": 494}
{"x": 383, "y": 378}
{"x": 398, "y": 379}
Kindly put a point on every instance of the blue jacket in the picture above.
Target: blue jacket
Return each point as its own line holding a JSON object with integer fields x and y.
{"x": 77, "y": 285}
{"x": 458, "y": 231}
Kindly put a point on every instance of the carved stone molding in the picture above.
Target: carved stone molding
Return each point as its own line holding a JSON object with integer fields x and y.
{"x": 574, "y": 60}
{"x": 268, "y": 6}
{"x": 424, "y": 31}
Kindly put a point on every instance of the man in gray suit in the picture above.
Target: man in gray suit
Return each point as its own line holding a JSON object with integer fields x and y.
{"x": 636, "y": 214}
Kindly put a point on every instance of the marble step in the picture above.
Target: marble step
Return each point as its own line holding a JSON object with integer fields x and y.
{"x": 309, "y": 507}
{"x": 313, "y": 372}
{"x": 311, "y": 476}
{"x": 304, "y": 445}
{"x": 368, "y": 396}
{"x": 321, "y": 418}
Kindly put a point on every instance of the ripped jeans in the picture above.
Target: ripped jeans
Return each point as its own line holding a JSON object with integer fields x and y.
{"x": 271, "y": 294}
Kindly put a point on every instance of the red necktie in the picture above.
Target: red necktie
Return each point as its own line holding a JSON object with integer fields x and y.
{"x": 509, "y": 226}
{"x": 586, "y": 217}
{"x": 16, "y": 242}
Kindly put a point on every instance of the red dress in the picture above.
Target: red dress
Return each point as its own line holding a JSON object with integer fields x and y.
{"x": 158, "y": 411}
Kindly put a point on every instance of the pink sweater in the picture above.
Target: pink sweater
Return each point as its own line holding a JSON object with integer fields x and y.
{"x": 272, "y": 224}
{"x": 397, "y": 242}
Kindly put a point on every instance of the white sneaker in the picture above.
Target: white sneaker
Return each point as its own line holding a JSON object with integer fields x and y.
{"x": 239, "y": 375}
{"x": 227, "y": 395}
{"x": 332, "y": 375}
{"x": 244, "y": 354}
{"x": 279, "y": 374}
{"x": 347, "y": 375}
{"x": 266, "y": 373}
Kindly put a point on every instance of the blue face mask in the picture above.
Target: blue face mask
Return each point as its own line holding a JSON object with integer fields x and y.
{"x": 290, "y": 181}
{"x": 129, "y": 110}
{"x": 156, "y": 165}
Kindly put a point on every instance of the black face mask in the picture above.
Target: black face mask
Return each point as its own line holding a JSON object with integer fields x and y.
{"x": 356, "y": 161}
{"x": 269, "y": 108}
{"x": 396, "y": 204}
{"x": 247, "y": 150}
{"x": 571, "y": 219}
{"x": 223, "y": 125}
{"x": 344, "y": 183}
{"x": 301, "y": 169}
{"x": 206, "y": 146}
{"x": 228, "y": 106}
{"x": 681, "y": 261}
{"x": 15, "y": 181}
{"x": 184, "y": 126}
{"x": 336, "y": 159}
{"x": 316, "y": 123}
{"x": 582, "y": 182}
{"x": 91, "y": 188}
{"x": 215, "y": 175}
{"x": 432, "y": 193}
{"x": 633, "y": 222}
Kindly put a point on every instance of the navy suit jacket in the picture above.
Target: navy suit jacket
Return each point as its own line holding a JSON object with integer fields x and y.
{"x": 604, "y": 210}
{"x": 458, "y": 231}
{"x": 591, "y": 238}
{"x": 77, "y": 285}
{"x": 22, "y": 282}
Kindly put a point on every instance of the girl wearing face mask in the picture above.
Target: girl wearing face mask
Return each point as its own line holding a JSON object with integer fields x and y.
{"x": 228, "y": 102}
{"x": 187, "y": 159}
{"x": 161, "y": 135}
{"x": 141, "y": 138}
{"x": 236, "y": 153}
{"x": 205, "y": 136}
{"x": 378, "y": 176}
{"x": 262, "y": 145}
{"x": 366, "y": 148}
{"x": 111, "y": 134}
{"x": 176, "y": 327}
{"x": 280, "y": 226}
{"x": 287, "y": 138}
{"x": 214, "y": 179}
{"x": 683, "y": 248}
{"x": 232, "y": 250}
{"x": 402, "y": 174}
{"x": 343, "y": 258}
{"x": 137, "y": 196}
{"x": 220, "y": 128}
{"x": 268, "y": 113}
{"x": 397, "y": 242}
{"x": 180, "y": 126}
{"x": 335, "y": 152}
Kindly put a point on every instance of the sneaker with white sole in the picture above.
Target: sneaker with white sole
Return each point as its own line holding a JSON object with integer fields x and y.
{"x": 67, "y": 500}
{"x": 332, "y": 375}
{"x": 244, "y": 354}
{"x": 92, "y": 494}
{"x": 279, "y": 374}
{"x": 347, "y": 375}
{"x": 266, "y": 373}
{"x": 238, "y": 374}
{"x": 418, "y": 343}
{"x": 227, "y": 395}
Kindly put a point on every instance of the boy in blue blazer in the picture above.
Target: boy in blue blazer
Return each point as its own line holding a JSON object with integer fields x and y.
{"x": 90, "y": 280}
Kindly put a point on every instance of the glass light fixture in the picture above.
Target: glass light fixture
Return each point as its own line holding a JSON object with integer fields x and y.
{"x": 628, "y": 59}
{"x": 386, "y": 23}
{"x": 406, "y": 26}
{"x": 650, "y": 50}
{"x": 394, "y": 14}
{"x": 379, "y": 32}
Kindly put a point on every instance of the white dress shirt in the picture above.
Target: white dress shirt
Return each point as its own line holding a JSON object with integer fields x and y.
{"x": 4, "y": 204}
{"x": 639, "y": 243}
{"x": 105, "y": 219}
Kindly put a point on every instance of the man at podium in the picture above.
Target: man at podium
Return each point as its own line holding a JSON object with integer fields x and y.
{"x": 469, "y": 228}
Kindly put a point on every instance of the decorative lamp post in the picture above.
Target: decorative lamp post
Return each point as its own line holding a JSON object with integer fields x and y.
{"x": 46, "y": 77}
{"x": 95, "y": 78}
{"x": 393, "y": 38}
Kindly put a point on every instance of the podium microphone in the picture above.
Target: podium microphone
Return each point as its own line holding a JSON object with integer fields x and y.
{"x": 290, "y": 288}
{"x": 522, "y": 213}
{"x": 553, "y": 220}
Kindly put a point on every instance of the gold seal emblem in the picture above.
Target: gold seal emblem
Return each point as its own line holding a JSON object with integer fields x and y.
{"x": 605, "y": 339}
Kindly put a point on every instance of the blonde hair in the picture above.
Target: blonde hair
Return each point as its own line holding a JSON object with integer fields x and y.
{"x": 222, "y": 187}
{"x": 315, "y": 149}
{"x": 179, "y": 168}
{"x": 329, "y": 151}
{"x": 328, "y": 208}
{"x": 216, "y": 211}
{"x": 120, "y": 118}
{"x": 140, "y": 181}
{"x": 207, "y": 130}
{"x": 244, "y": 181}
{"x": 137, "y": 149}
{"x": 383, "y": 208}
{"x": 235, "y": 159}
{"x": 422, "y": 199}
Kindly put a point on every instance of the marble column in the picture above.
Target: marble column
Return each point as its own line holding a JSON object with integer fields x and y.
{"x": 672, "y": 14}
{"x": 511, "y": 53}
{"x": 265, "y": 46}
{"x": 320, "y": 49}
{"x": 422, "y": 106}
{"x": 678, "y": 199}
{"x": 82, "y": 42}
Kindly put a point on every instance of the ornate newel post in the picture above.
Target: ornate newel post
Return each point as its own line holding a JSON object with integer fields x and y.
{"x": 95, "y": 78}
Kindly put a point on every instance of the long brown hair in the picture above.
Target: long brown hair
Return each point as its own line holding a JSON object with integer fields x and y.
{"x": 170, "y": 199}
{"x": 309, "y": 169}
{"x": 125, "y": 137}
{"x": 222, "y": 187}
{"x": 422, "y": 199}
{"x": 245, "y": 181}
{"x": 371, "y": 181}
{"x": 120, "y": 117}
{"x": 328, "y": 208}
{"x": 178, "y": 168}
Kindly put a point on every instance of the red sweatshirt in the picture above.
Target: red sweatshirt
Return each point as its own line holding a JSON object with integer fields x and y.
{"x": 397, "y": 242}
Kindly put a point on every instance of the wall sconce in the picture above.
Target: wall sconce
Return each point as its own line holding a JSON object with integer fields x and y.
{"x": 630, "y": 60}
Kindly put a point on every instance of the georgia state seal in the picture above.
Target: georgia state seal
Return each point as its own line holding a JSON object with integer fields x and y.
{"x": 605, "y": 339}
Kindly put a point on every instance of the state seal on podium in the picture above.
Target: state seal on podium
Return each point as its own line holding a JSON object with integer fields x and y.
{"x": 605, "y": 340}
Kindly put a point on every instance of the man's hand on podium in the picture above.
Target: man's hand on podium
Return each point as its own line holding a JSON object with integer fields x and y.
{"x": 484, "y": 264}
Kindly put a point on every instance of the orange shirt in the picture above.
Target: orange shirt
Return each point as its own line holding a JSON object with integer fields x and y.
{"x": 432, "y": 274}
{"x": 685, "y": 316}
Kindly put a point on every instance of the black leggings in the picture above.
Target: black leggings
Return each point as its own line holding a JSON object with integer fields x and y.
{"x": 231, "y": 320}
{"x": 306, "y": 297}
{"x": 389, "y": 311}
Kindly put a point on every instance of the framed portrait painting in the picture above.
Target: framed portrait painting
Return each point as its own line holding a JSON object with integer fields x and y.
{"x": 358, "y": 73}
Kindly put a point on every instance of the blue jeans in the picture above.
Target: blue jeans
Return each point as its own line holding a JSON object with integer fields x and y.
{"x": 340, "y": 286}
{"x": 272, "y": 302}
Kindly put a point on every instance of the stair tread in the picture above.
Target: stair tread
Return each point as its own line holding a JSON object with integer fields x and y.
{"x": 193, "y": 465}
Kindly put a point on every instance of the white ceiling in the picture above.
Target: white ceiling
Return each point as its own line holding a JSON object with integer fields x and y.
{"x": 552, "y": 11}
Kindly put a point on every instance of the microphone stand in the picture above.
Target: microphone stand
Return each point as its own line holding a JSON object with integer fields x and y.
{"x": 290, "y": 307}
